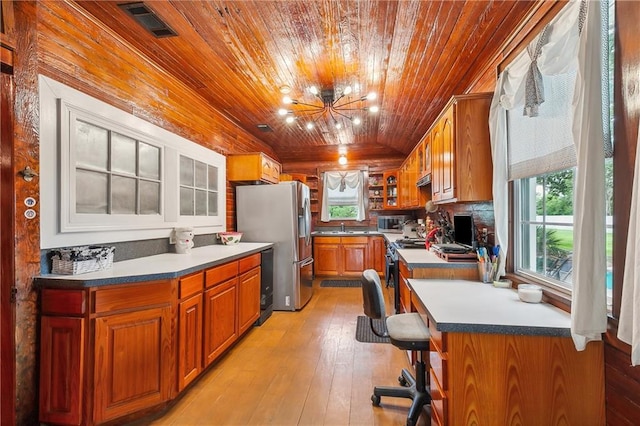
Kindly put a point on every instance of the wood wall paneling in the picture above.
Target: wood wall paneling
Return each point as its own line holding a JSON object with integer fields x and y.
{"x": 622, "y": 380}
{"x": 27, "y": 232}
{"x": 7, "y": 218}
{"x": 60, "y": 41}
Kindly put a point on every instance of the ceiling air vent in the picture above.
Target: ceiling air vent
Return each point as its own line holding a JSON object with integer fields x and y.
{"x": 265, "y": 128}
{"x": 148, "y": 19}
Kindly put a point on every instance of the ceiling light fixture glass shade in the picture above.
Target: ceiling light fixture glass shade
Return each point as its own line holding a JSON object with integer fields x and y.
{"x": 342, "y": 160}
{"x": 336, "y": 106}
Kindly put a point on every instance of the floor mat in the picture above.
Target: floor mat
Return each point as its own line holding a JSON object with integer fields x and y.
{"x": 364, "y": 333}
{"x": 340, "y": 283}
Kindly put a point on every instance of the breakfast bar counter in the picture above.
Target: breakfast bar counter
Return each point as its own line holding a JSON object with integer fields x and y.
{"x": 495, "y": 360}
{"x": 425, "y": 259}
{"x": 470, "y": 306}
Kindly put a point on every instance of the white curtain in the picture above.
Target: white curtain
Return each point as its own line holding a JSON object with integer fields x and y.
{"x": 589, "y": 295}
{"x": 629, "y": 323}
{"x": 335, "y": 180}
{"x": 567, "y": 49}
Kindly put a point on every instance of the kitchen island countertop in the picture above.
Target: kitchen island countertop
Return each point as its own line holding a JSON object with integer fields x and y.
{"x": 157, "y": 267}
{"x": 474, "y": 307}
{"x": 416, "y": 258}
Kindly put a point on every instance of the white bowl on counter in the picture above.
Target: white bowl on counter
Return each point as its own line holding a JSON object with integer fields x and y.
{"x": 230, "y": 238}
{"x": 530, "y": 293}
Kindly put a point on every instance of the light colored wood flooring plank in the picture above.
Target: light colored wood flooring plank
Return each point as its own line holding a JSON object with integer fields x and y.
{"x": 299, "y": 368}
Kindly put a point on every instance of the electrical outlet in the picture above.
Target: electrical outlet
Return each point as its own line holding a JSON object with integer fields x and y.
{"x": 287, "y": 301}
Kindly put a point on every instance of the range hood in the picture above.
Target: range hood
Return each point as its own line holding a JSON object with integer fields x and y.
{"x": 424, "y": 180}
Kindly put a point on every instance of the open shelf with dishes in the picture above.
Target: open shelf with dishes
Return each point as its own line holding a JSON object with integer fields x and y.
{"x": 390, "y": 190}
{"x": 376, "y": 191}
{"x": 312, "y": 183}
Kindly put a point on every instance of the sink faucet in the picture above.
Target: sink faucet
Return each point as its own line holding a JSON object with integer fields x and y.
{"x": 341, "y": 226}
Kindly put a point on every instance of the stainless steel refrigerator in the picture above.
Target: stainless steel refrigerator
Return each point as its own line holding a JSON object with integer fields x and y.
{"x": 281, "y": 214}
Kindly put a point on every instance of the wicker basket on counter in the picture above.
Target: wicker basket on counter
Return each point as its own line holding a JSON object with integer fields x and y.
{"x": 80, "y": 260}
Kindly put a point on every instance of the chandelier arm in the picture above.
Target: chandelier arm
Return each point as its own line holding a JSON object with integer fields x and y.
{"x": 311, "y": 111}
{"x": 349, "y": 109}
{"x": 339, "y": 113}
{"x": 347, "y": 103}
{"x": 310, "y": 105}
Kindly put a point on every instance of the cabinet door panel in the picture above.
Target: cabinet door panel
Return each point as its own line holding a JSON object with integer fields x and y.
{"x": 189, "y": 340}
{"x": 248, "y": 299}
{"x": 448, "y": 156}
{"x": 220, "y": 322}
{"x": 132, "y": 362}
{"x": 326, "y": 258}
{"x": 377, "y": 254}
{"x": 436, "y": 164}
{"x": 61, "y": 369}
{"x": 354, "y": 259}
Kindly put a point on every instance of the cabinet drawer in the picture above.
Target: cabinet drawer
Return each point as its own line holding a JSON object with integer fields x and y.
{"x": 191, "y": 285}
{"x": 109, "y": 300}
{"x": 438, "y": 366}
{"x": 249, "y": 262}
{"x": 404, "y": 270}
{"x": 221, "y": 273}
{"x": 326, "y": 240}
{"x": 354, "y": 240}
{"x": 438, "y": 339}
{"x": 438, "y": 402}
{"x": 63, "y": 302}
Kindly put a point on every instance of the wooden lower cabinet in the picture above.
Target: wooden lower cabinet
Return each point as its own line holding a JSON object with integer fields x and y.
{"x": 190, "y": 313}
{"x": 348, "y": 256}
{"x": 61, "y": 369}
{"x": 327, "y": 259}
{"x": 500, "y": 379}
{"x": 113, "y": 351}
{"x": 248, "y": 299}
{"x": 448, "y": 271}
{"x": 220, "y": 319}
{"x": 132, "y": 369}
{"x": 355, "y": 257}
{"x": 377, "y": 251}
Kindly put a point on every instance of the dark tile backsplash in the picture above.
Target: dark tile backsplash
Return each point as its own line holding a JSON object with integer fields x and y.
{"x": 134, "y": 249}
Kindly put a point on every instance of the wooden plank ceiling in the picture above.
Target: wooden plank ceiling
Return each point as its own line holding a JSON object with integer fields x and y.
{"x": 238, "y": 54}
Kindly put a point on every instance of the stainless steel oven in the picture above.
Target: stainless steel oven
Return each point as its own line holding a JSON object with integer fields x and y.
{"x": 392, "y": 270}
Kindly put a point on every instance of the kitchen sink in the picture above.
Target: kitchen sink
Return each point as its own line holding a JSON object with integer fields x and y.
{"x": 340, "y": 232}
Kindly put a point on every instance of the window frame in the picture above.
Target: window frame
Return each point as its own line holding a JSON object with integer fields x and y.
{"x": 559, "y": 294}
{"x": 517, "y": 236}
{"x": 355, "y": 206}
{"x": 59, "y": 224}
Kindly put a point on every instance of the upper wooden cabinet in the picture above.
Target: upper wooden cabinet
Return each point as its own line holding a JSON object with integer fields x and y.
{"x": 255, "y": 166}
{"x": 411, "y": 196}
{"x": 7, "y": 36}
{"x": 391, "y": 194}
{"x": 424, "y": 156}
{"x": 461, "y": 165}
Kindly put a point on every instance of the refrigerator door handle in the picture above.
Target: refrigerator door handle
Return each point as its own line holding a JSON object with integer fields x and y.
{"x": 307, "y": 220}
{"x": 305, "y": 262}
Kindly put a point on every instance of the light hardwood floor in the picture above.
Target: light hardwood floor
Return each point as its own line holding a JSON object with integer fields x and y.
{"x": 299, "y": 368}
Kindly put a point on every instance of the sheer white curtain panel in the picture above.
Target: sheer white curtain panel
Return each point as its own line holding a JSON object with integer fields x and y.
{"x": 629, "y": 322}
{"x": 573, "y": 44}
